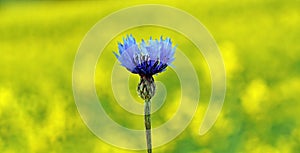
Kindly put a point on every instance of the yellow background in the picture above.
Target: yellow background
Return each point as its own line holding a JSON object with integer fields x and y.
{"x": 259, "y": 41}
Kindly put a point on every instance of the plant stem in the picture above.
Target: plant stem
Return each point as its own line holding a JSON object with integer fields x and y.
{"x": 148, "y": 125}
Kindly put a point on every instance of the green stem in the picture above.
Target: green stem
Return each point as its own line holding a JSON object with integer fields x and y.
{"x": 148, "y": 125}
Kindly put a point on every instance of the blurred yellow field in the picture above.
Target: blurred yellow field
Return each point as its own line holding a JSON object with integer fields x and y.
{"x": 259, "y": 42}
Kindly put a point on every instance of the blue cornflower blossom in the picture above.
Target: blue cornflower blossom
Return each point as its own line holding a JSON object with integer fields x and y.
{"x": 147, "y": 58}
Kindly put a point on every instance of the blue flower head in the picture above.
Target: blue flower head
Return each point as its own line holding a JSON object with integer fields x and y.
{"x": 146, "y": 58}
